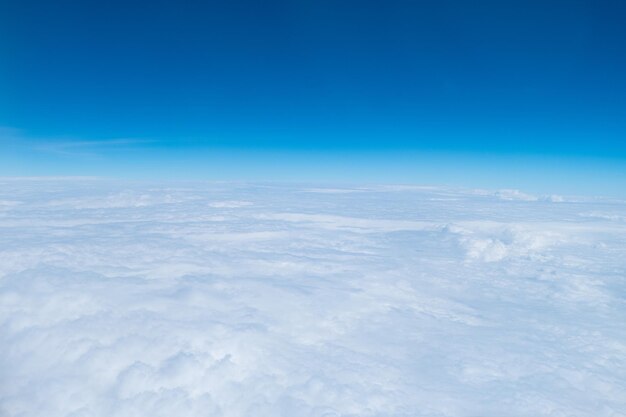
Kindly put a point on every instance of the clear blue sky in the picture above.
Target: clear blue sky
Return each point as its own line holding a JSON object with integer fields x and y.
{"x": 527, "y": 94}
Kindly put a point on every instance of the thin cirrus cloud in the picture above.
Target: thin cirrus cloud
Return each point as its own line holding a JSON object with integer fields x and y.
{"x": 19, "y": 139}
{"x": 90, "y": 148}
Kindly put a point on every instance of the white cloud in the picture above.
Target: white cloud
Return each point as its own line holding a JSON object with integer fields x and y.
{"x": 229, "y": 204}
{"x": 238, "y": 300}
{"x": 515, "y": 195}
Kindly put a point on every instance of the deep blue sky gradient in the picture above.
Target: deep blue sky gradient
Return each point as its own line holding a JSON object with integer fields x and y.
{"x": 501, "y": 93}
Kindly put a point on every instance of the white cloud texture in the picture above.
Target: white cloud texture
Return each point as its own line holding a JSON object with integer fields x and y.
{"x": 120, "y": 299}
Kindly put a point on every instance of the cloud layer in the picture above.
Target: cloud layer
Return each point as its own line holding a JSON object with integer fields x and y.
{"x": 121, "y": 299}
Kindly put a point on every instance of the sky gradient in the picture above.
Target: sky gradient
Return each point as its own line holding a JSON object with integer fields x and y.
{"x": 522, "y": 94}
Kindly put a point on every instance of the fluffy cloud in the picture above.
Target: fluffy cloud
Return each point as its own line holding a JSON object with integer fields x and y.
{"x": 121, "y": 299}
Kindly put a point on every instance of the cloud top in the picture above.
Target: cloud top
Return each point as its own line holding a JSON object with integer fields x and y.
{"x": 236, "y": 300}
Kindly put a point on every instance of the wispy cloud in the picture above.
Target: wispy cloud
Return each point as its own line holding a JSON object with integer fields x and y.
{"x": 88, "y": 147}
{"x": 66, "y": 146}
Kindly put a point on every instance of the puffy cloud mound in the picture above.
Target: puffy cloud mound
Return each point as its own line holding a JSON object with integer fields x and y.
{"x": 121, "y": 299}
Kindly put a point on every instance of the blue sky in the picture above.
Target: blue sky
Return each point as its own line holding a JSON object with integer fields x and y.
{"x": 524, "y": 94}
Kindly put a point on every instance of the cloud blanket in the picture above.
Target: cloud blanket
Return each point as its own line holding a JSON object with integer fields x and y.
{"x": 231, "y": 299}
